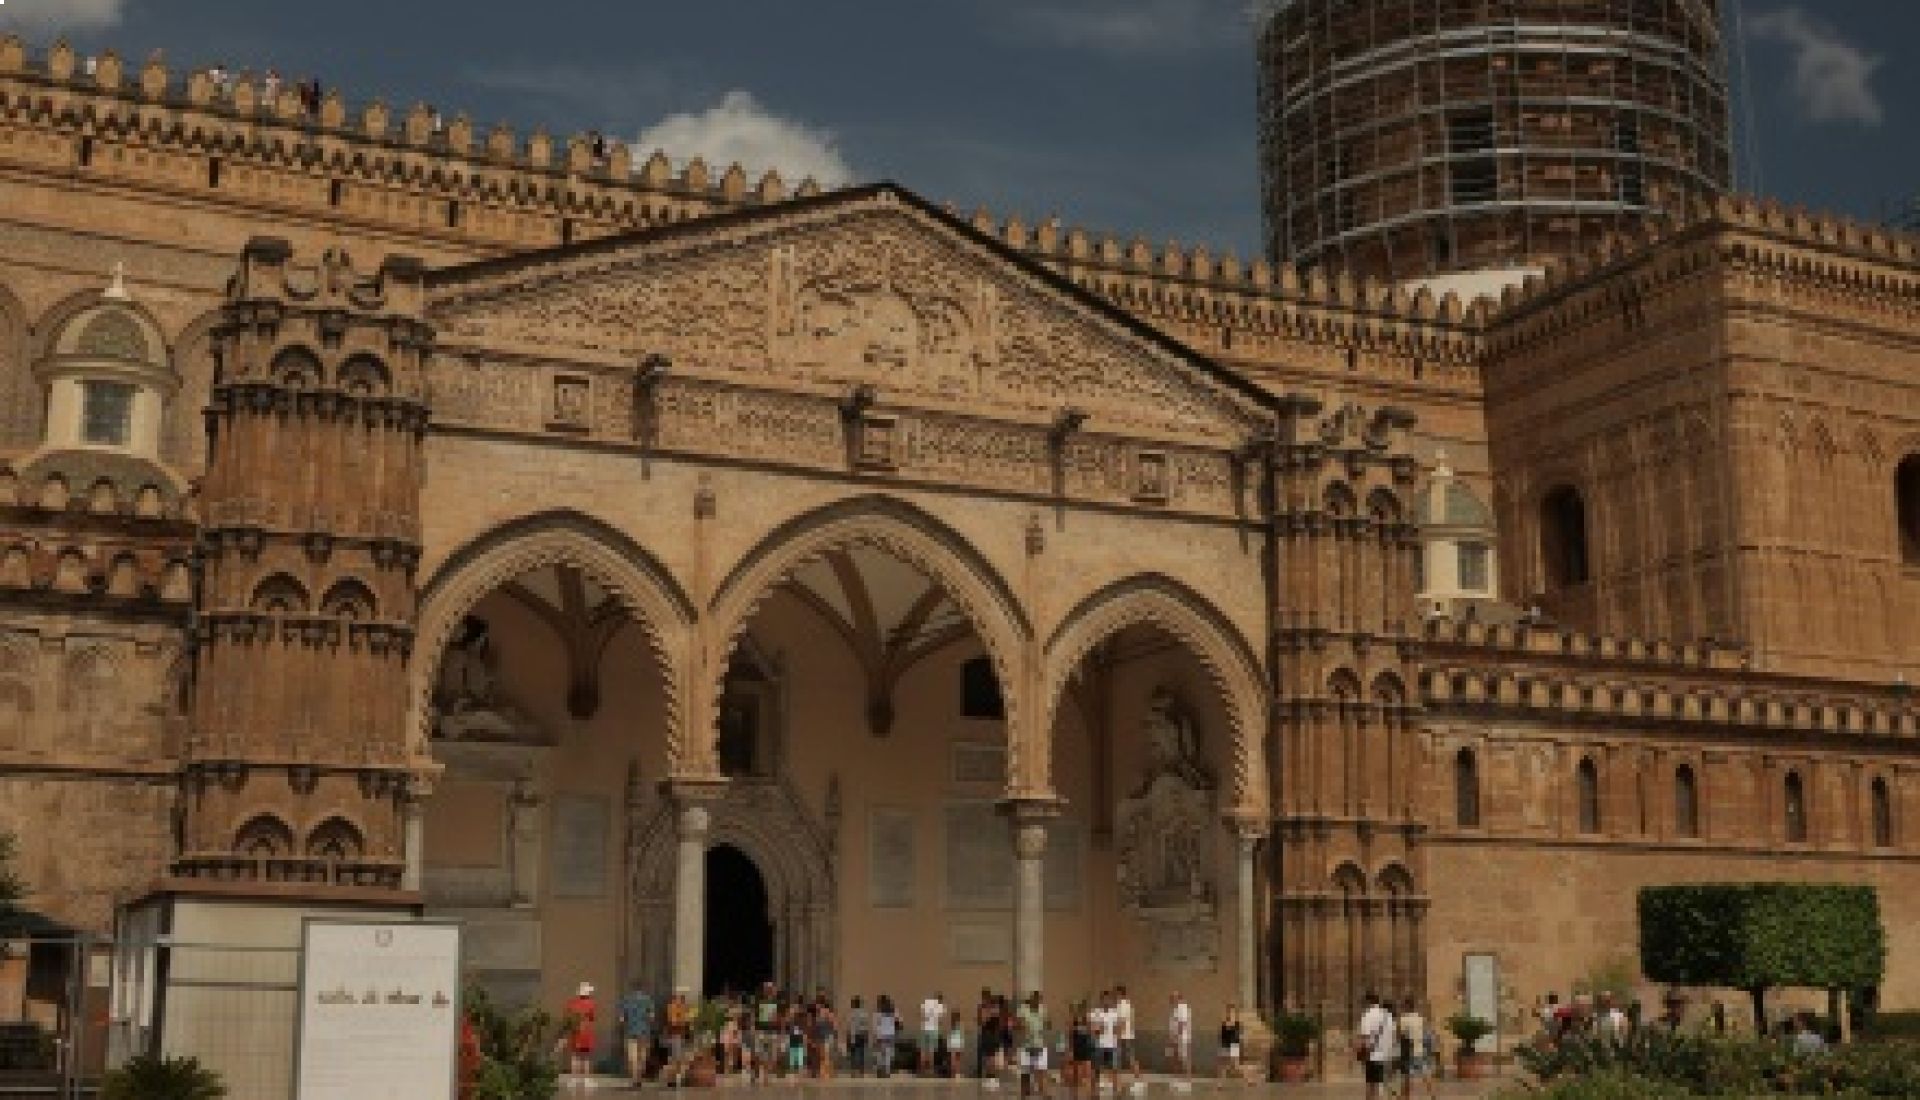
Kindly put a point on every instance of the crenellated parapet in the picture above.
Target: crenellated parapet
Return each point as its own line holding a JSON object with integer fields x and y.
{"x": 410, "y": 170}
{"x": 1569, "y": 677}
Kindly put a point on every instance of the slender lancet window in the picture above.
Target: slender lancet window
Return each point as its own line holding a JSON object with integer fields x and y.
{"x": 1466, "y": 790}
{"x": 1906, "y": 493}
{"x": 1882, "y": 814}
{"x": 1587, "y": 788}
{"x": 1686, "y": 803}
{"x": 1796, "y": 808}
{"x": 1563, "y": 537}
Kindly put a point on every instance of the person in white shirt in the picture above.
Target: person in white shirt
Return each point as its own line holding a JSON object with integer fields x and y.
{"x": 1180, "y": 1035}
{"x": 1129, "y": 1049}
{"x": 1377, "y": 1040}
{"x": 1416, "y": 1052}
{"x": 933, "y": 1016}
{"x": 1106, "y": 1042}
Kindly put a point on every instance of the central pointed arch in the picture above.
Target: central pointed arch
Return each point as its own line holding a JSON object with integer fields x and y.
{"x": 1162, "y": 602}
{"x": 915, "y": 538}
{"x": 649, "y": 594}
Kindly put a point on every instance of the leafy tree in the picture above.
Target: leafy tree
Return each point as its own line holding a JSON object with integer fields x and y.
{"x": 1761, "y": 936}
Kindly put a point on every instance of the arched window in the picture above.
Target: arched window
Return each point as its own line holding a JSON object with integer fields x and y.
{"x": 1686, "y": 802}
{"x": 1466, "y": 790}
{"x": 1563, "y": 537}
{"x": 1587, "y": 784}
{"x": 980, "y": 691}
{"x": 335, "y": 840}
{"x": 1906, "y": 495}
{"x": 1796, "y": 809}
{"x": 265, "y": 837}
{"x": 1882, "y": 814}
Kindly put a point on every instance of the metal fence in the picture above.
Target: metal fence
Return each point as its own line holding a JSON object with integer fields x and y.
{"x": 73, "y": 1007}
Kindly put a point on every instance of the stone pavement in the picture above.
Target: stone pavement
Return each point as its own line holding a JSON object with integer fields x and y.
{"x": 916, "y": 1089}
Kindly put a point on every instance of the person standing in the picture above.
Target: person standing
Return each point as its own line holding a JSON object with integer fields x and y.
{"x": 1106, "y": 1043}
{"x": 1376, "y": 1042}
{"x": 933, "y": 1017}
{"x": 1080, "y": 1053}
{"x": 766, "y": 1034}
{"x": 1030, "y": 1032}
{"x": 1230, "y": 1043}
{"x": 983, "y": 1015}
{"x": 1180, "y": 1035}
{"x": 886, "y": 1035}
{"x": 636, "y": 1027}
{"x": 1417, "y": 1052}
{"x": 859, "y": 1037}
{"x": 581, "y": 1016}
{"x": 1129, "y": 1044}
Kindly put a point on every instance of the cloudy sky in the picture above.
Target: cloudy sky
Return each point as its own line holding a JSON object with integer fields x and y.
{"x": 1128, "y": 115}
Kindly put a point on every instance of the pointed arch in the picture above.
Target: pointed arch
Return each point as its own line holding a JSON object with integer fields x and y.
{"x": 336, "y": 839}
{"x": 913, "y": 536}
{"x": 1225, "y": 654}
{"x": 264, "y": 837}
{"x": 644, "y": 587}
{"x": 1466, "y": 789}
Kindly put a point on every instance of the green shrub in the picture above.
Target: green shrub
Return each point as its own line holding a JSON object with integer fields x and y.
{"x": 150, "y": 1077}
{"x": 516, "y": 1050}
{"x": 1707, "y": 1065}
{"x": 1608, "y": 1085}
{"x": 1294, "y": 1034}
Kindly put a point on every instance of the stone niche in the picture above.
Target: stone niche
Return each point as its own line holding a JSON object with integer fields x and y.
{"x": 1165, "y": 839}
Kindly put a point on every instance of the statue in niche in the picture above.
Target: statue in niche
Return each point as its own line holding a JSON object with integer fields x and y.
{"x": 467, "y": 702}
{"x": 1165, "y": 834}
{"x": 525, "y": 841}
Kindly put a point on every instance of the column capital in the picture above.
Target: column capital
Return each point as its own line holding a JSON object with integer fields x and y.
{"x": 1032, "y": 810}
{"x": 1248, "y": 826}
{"x": 690, "y": 790}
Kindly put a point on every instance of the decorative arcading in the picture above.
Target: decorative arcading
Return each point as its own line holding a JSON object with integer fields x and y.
{"x": 377, "y": 145}
{"x": 1571, "y": 675}
{"x": 649, "y": 595}
{"x": 999, "y": 623}
{"x": 1230, "y": 664}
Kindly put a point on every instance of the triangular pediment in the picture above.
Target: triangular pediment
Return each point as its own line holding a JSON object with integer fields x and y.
{"x": 868, "y": 287}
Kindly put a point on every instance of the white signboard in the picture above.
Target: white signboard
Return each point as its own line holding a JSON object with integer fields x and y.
{"x": 1483, "y": 997}
{"x": 379, "y": 1011}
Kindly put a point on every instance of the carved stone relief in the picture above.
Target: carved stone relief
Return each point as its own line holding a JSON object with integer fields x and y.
{"x": 467, "y": 701}
{"x": 1166, "y": 835}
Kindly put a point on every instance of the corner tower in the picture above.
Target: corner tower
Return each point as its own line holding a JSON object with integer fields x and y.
{"x": 300, "y": 761}
{"x": 1431, "y": 139}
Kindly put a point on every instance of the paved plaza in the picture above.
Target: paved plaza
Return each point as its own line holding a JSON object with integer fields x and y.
{"x": 913, "y": 1089}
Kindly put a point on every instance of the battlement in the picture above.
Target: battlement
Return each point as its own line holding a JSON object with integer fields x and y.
{"x": 1572, "y": 675}
{"x": 567, "y": 189}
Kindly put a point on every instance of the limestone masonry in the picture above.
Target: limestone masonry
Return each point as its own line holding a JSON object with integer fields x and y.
{"x": 691, "y": 578}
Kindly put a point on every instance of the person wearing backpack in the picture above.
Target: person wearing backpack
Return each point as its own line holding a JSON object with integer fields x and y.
{"x": 1376, "y": 1045}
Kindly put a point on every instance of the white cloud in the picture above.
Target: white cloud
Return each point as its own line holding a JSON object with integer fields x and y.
{"x": 739, "y": 130}
{"x": 1832, "y": 78}
{"x": 1135, "y": 26}
{"x": 48, "y": 17}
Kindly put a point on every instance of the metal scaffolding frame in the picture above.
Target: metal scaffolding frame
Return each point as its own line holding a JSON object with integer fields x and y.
{"x": 1410, "y": 138}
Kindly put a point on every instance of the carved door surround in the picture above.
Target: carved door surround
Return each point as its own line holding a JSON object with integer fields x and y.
{"x": 794, "y": 851}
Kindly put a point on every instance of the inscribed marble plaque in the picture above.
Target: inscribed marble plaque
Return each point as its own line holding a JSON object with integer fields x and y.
{"x": 1483, "y": 996}
{"x": 979, "y": 857}
{"x": 890, "y": 862}
{"x": 580, "y": 827}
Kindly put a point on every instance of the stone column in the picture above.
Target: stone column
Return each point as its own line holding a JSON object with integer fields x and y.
{"x": 691, "y": 823}
{"x": 414, "y": 836}
{"x": 1030, "y": 894}
{"x": 1247, "y": 924}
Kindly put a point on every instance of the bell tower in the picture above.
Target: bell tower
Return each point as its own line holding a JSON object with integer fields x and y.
{"x": 299, "y": 762}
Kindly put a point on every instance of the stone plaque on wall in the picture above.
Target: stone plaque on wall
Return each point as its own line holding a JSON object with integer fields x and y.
{"x": 984, "y": 943}
{"x": 890, "y": 862}
{"x": 979, "y": 764}
{"x": 580, "y": 827}
{"x": 979, "y": 857}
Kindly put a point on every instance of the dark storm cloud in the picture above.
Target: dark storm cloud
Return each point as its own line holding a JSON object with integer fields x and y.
{"x": 1135, "y": 116}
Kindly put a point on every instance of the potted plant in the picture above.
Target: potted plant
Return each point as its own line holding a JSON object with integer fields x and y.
{"x": 150, "y": 1077}
{"x": 1293, "y": 1037}
{"x": 703, "y": 1068}
{"x": 1469, "y": 1061}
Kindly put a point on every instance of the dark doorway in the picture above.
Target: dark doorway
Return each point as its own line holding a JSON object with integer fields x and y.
{"x": 739, "y": 947}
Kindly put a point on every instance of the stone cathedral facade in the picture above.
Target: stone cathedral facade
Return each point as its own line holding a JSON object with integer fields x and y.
{"x": 689, "y": 579}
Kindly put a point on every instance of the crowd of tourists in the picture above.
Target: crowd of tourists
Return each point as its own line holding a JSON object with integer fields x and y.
{"x": 1090, "y": 1047}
